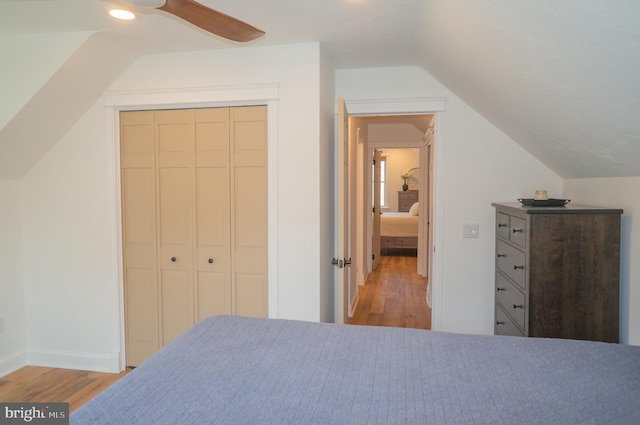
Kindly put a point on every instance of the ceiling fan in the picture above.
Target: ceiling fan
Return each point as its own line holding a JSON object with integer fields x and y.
{"x": 204, "y": 17}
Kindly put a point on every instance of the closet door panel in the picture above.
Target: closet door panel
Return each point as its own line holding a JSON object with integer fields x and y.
{"x": 137, "y": 136}
{"x": 213, "y": 240}
{"x": 141, "y": 312}
{"x": 137, "y": 175}
{"x": 177, "y": 303}
{"x": 250, "y": 195}
{"x": 249, "y": 135}
{"x": 212, "y": 137}
{"x": 251, "y": 295}
{"x": 138, "y": 215}
{"x": 175, "y": 137}
{"x": 249, "y": 206}
{"x": 175, "y": 219}
{"x": 174, "y": 150}
{"x": 214, "y": 294}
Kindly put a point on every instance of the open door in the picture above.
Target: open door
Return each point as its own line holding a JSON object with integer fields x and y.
{"x": 343, "y": 259}
{"x": 375, "y": 243}
{"x": 430, "y": 157}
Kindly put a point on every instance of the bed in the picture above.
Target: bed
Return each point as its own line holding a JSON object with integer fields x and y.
{"x": 398, "y": 231}
{"x": 239, "y": 370}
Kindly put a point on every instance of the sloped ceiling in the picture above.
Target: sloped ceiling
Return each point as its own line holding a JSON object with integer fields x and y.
{"x": 559, "y": 77}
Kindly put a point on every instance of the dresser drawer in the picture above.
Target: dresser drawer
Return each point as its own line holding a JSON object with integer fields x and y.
{"x": 512, "y": 262}
{"x": 502, "y": 225}
{"x": 504, "y": 325}
{"x": 399, "y": 242}
{"x": 517, "y": 231}
{"x": 406, "y": 199}
{"x": 405, "y": 206}
{"x": 511, "y": 299}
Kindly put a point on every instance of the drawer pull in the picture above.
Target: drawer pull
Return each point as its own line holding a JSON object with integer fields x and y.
{"x": 501, "y": 289}
{"x": 210, "y": 260}
{"x": 502, "y": 255}
{"x": 499, "y": 323}
{"x": 518, "y": 267}
{"x": 517, "y": 230}
{"x": 518, "y": 306}
{"x": 501, "y": 225}
{"x": 173, "y": 259}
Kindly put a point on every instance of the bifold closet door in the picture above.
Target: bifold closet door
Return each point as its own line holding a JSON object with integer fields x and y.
{"x": 249, "y": 218}
{"x": 213, "y": 212}
{"x": 194, "y": 209}
{"x": 175, "y": 150}
{"x": 137, "y": 158}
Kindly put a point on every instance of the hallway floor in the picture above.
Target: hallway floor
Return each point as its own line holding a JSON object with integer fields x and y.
{"x": 394, "y": 295}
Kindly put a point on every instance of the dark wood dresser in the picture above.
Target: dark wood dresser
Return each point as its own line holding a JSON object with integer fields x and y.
{"x": 406, "y": 198}
{"x": 557, "y": 271}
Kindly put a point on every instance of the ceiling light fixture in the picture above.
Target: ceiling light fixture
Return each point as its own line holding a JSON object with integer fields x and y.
{"x": 124, "y": 15}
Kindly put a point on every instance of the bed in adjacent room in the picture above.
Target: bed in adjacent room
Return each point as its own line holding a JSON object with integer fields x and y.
{"x": 239, "y": 370}
{"x": 399, "y": 231}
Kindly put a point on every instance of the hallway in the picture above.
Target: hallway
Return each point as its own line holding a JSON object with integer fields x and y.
{"x": 394, "y": 295}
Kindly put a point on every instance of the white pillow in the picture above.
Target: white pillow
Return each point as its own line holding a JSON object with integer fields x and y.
{"x": 414, "y": 209}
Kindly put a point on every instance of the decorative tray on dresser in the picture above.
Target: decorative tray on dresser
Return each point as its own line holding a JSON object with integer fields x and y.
{"x": 557, "y": 271}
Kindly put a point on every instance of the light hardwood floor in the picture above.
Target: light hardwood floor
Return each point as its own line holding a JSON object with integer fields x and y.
{"x": 394, "y": 295}
{"x": 46, "y": 384}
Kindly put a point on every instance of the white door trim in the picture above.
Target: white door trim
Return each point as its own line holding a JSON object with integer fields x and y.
{"x": 420, "y": 106}
{"x": 203, "y": 97}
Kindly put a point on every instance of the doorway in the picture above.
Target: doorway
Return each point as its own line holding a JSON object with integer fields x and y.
{"x": 392, "y": 156}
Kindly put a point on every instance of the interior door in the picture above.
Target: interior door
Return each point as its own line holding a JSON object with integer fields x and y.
{"x": 342, "y": 292}
{"x": 375, "y": 243}
{"x": 430, "y": 185}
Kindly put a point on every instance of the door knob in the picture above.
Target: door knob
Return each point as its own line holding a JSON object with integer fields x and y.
{"x": 173, "y": 259}
{"x": 210, "y": 260}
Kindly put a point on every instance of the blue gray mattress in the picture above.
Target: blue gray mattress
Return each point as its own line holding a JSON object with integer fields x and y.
{"x": 238, "y": 370}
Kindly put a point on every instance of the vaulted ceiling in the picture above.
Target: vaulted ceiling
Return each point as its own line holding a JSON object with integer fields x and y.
{"x": 560, "y": 77}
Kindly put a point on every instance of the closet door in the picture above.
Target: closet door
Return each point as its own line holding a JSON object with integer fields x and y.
{"x": 175, "y": 141}
{"x": 137, "y": 175}
{"x": 213, "y": 212}
{"x": 249, "y": 203}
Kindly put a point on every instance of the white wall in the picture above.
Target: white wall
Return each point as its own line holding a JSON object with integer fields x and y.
{"x": 70, "y": 252}
{"x": 69, "y": 203}
{"x": 12, "y": 314}
{"x": 481, "y": 165}
{"x": 618, "y": 192}
{"x": 28, "y": 61}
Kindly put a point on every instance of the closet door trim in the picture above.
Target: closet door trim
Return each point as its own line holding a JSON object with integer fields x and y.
{"x": 207, "y": 97}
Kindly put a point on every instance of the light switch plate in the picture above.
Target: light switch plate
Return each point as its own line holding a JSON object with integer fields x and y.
{"x": 471, "y": 230}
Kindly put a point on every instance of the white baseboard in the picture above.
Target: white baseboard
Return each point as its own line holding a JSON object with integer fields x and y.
{"x": 96, "y": 362}
{"x": 12, "y": 363}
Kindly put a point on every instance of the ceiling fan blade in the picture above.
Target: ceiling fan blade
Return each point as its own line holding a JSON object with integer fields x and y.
{"x": 211, "y": 20}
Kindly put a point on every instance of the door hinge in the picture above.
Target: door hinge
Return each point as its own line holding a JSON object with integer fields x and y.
{"x": 373, "y": 256}
{"x": 373, "y": 210}
{"x": 374, "y": 162}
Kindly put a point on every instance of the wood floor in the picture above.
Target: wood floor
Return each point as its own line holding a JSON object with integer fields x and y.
{"x": 394, "y": 295}
{"x": 46, "y": 384}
